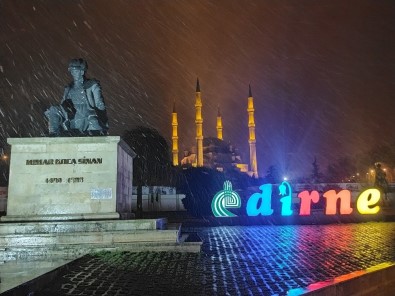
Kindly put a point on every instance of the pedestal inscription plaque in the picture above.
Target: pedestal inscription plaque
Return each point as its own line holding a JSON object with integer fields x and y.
{"x": 68, "y": 178}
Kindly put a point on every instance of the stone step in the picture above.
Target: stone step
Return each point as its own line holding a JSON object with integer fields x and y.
{"x": 70, "y": 240}
{"x": 82, "y": 226}
{"x": 108, "y": 237}
{"x": 70, "y": 252}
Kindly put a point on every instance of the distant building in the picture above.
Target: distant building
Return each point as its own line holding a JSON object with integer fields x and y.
{"x": 159, "y": 199}
{"x": 212, "y": 152}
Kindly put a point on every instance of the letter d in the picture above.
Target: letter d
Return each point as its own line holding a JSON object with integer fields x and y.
{"x": 265, "y": 208}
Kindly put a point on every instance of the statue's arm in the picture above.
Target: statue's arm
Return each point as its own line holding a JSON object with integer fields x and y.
{"x": 98, "y": 97}
{"x": 65, "y": 93}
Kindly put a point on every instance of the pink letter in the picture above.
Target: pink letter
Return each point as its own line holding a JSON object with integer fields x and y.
{"x": 331, "y": 201}
{"x": 305, "y": 201}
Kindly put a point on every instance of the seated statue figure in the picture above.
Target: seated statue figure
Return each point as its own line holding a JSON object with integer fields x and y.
{"x": 82, "y": 110}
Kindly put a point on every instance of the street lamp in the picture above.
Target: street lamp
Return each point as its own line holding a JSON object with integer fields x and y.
{"x": 371, "y": 176}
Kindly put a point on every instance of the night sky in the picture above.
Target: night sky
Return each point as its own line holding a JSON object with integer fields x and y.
{"x": 322, "y": 72}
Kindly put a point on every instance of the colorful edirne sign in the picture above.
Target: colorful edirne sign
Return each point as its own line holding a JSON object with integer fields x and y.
{"x": 224, "y": 199}
{"x": 260, "y": 203}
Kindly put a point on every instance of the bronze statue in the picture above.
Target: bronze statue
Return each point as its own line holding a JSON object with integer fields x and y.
{"x": 82, "y": 110}
{"x": 380, "y": 180}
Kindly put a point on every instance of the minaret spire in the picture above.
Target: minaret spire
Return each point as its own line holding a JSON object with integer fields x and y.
{"x": 199, "y": 125}
{"x": 252, "y": 139}
{"x": 219, "y": 125}
{"x": 174, "y": 137}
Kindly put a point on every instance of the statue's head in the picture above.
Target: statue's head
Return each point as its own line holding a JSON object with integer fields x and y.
{"x": 78, "y": 64}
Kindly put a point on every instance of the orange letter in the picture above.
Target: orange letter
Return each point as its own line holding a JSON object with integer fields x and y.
{"x": 305, "y": 201}
{"x": 331, "y": 200}
{"x": 367, "y": 199}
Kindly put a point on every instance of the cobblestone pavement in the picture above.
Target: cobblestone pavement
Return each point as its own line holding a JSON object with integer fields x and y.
{"x": 235, "y": 260}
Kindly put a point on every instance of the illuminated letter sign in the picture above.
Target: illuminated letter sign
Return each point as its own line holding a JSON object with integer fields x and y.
{"x": 261, "y": 203}
{"x": 367, "y": 199}
{"x": 331, "y": 201}
{"x": 265, "y": 208}
{"x": 286, "y": 200}
{"x": 226, "y": 198}
{"x": 305, "y": 201}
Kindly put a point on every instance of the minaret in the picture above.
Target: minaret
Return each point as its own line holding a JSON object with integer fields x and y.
{"x": 199, "y": 126}
{"x": 219, "y": 125}
{"x": 251, "y": 139}
{"x": 174, "y": 136}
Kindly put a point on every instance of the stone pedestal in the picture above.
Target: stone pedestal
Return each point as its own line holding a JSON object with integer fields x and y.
{"x": 69, "y": 178}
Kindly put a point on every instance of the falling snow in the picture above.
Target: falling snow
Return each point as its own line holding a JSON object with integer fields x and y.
{"x": 322, "y": 72}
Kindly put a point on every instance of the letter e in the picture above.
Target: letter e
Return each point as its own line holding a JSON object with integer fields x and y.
{"x": 367, "y": 199}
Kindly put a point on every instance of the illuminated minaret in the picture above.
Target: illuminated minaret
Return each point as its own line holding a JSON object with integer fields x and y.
{"x": 252, "y": 139}
{"x": 219, "y": 125}
{"x": 199, "y": 126}
{"x": 174, "y": 137}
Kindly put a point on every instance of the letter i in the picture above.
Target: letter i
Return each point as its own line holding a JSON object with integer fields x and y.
{"x": 286, "y": 200}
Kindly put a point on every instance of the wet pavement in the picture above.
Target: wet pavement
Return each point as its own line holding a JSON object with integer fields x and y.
{"x": 13, "y": 273}
{"x": 235, "y": 260}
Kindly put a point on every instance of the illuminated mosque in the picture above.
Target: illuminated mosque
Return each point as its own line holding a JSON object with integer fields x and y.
{"x": 214, "y": 152}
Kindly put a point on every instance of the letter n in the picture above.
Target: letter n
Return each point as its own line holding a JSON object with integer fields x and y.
{"x": 331, "y": 201}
